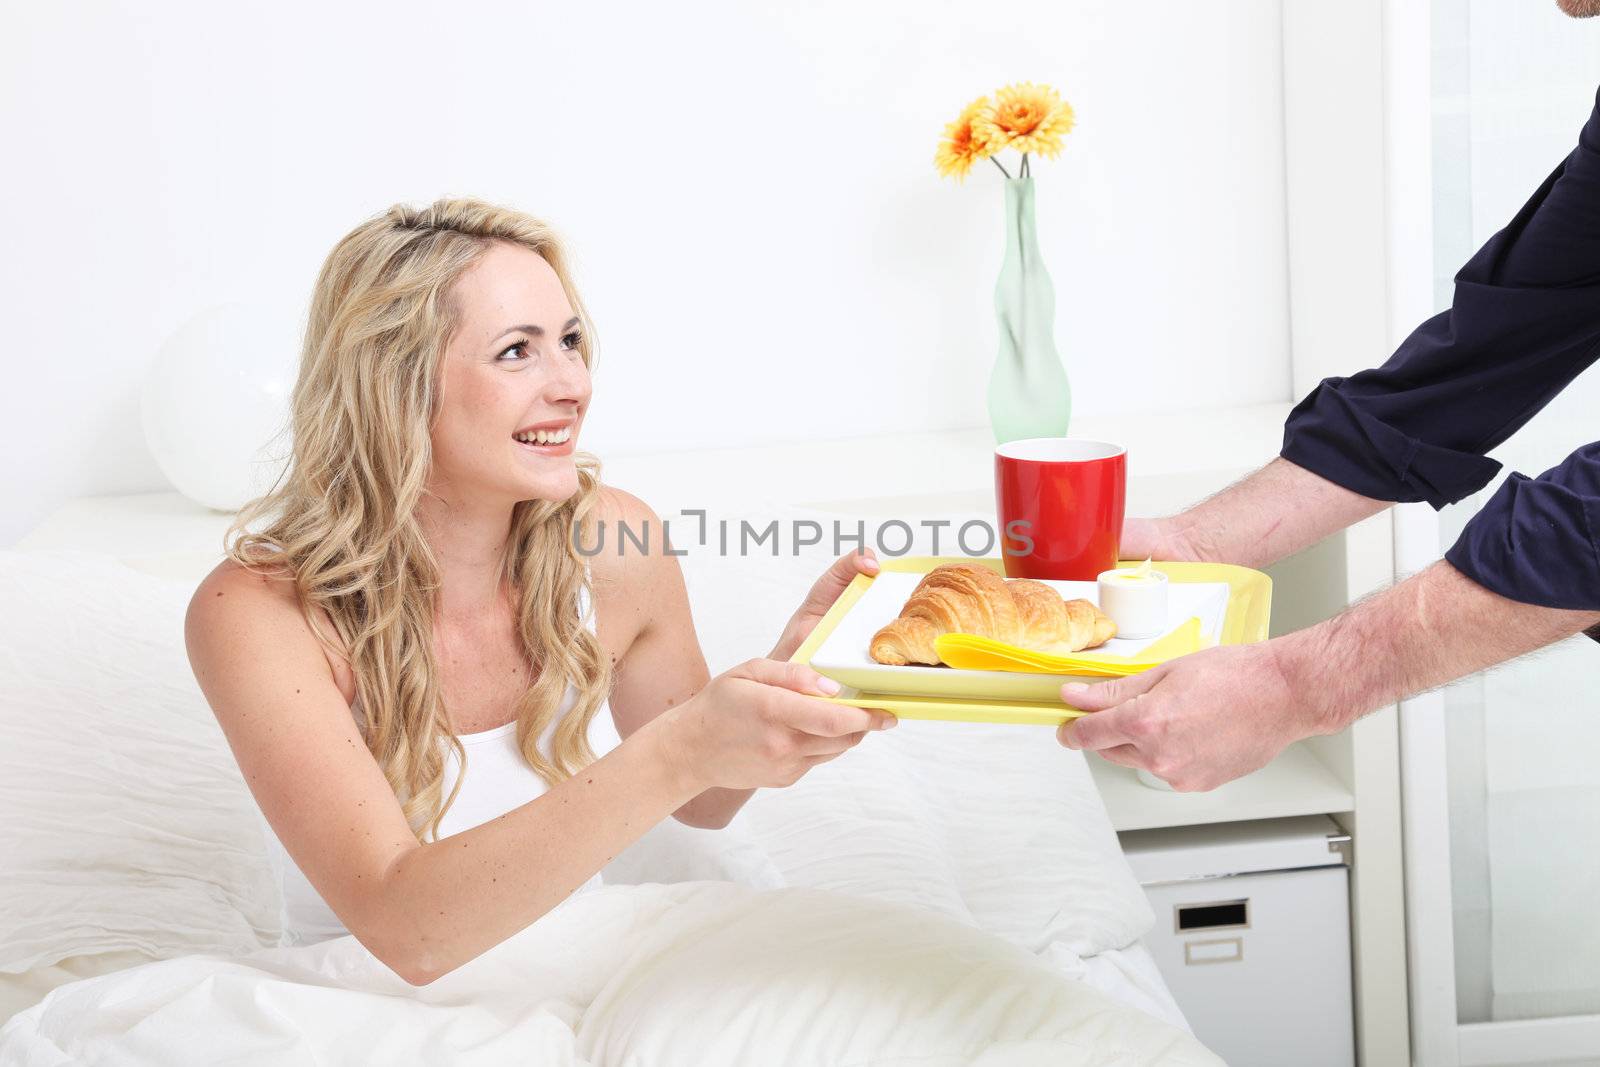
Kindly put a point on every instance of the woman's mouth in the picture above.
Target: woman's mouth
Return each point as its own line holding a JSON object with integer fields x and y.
{"x": 547, "y": 442}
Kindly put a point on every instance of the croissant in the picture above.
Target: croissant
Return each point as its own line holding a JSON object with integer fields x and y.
{"x": 971, "y": 599}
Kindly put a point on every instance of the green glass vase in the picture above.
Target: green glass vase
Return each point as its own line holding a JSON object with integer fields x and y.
{"x": 1028, "y": 391}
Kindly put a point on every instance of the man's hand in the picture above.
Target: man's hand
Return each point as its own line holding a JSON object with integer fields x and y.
{"x": 1158, "y": 539}
{"x": 1209, "y": 717}
{"x": 1273, "y": 513}
{"x": 1197, "y": 721}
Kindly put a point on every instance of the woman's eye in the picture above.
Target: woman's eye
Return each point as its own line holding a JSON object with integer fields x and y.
{"x": 573, "y": 340}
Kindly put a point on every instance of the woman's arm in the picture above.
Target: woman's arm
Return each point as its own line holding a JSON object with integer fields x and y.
{"x": 663, "y": 665}
{"x": 423, "y": 909}
{"x": 523, "y": 863}
{"x": 644, "y": 604}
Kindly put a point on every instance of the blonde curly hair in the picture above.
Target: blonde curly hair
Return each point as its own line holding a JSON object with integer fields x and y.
{"x": 343, "y": 515}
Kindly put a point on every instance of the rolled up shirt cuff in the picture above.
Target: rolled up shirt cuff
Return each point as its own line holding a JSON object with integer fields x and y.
{"x": 1537, "y": 540}
{"x": 1330, "y": 434}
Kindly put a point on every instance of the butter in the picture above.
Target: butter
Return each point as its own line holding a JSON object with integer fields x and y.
{"x": 1144, "y": 573}
{"x": 1136, "y": 600}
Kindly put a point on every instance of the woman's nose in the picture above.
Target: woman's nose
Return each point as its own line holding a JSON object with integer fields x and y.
{"x": 570, "y": 383}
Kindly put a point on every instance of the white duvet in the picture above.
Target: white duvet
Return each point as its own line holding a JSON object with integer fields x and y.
{"x": 697, "y": 974}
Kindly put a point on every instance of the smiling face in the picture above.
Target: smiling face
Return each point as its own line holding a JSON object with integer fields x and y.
{"x": 513, "y": 365}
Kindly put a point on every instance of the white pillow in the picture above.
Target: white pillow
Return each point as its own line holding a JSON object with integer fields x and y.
{"x": 799, "y": 976}
{"x": 994, "y": 825}
{"x": 126, "y": 823}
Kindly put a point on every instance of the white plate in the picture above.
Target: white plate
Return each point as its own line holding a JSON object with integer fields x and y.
{"x": 843, "y": 655}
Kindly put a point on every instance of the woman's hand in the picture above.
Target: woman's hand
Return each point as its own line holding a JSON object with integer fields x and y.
{"x": 821, "y": 598}
{"x": 761, "y": 725}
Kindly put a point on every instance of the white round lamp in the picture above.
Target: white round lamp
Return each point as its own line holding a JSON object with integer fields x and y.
{"x": 215, "y": 403}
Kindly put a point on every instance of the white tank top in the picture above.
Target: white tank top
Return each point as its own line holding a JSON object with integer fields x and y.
{"x": 498, "y": 780}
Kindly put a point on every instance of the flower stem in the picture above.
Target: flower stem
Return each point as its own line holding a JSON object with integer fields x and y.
{"x": 1003, "y": 170}
{"x": 1024, "y": 164}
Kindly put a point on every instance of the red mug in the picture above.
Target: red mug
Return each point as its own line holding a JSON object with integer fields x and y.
{"x": 1060, "y": 502}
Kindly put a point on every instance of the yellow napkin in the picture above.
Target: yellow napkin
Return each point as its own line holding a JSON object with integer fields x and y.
{"x": 969, "y": 652}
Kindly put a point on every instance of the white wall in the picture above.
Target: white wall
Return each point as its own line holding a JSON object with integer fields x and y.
{"x": 758, "y": 226}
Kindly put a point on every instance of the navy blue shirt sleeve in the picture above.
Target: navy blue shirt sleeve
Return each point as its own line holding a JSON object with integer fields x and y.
{"x": 1538, "y": 540}
{"x": 1524, "y": 322}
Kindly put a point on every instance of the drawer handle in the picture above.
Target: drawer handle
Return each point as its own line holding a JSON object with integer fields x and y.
{"x": 1216, "y": 915}
{"x": 1221, "y": 950}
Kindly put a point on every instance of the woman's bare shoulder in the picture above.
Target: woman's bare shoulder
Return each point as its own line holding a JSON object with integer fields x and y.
{"x": 618, "y": 505}
{"x": 626, "y": 579}
{"x": 265, "y": 576}
{"x": 257, "y": 600}
{"x": 616, "y": 560}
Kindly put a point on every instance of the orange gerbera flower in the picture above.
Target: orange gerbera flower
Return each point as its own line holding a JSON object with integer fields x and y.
{"x": 966, "y": 140}
{"x": 1027, "y": 117}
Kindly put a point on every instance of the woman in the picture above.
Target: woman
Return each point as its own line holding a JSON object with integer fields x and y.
{"x": 405, "y": 659}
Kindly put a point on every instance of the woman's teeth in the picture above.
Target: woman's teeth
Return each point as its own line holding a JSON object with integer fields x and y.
{"x": 545, "y": 437}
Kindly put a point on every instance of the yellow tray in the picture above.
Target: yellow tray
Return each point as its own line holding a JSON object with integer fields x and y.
{"x": 1246, "y": 620}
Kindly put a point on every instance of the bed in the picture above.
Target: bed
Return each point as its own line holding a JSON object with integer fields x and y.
{"x": 945, "y": 893}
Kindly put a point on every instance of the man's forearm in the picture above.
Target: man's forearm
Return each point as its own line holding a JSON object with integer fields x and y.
{"x": 1273, "y": 513}
{"x": 1435, "y": 627}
